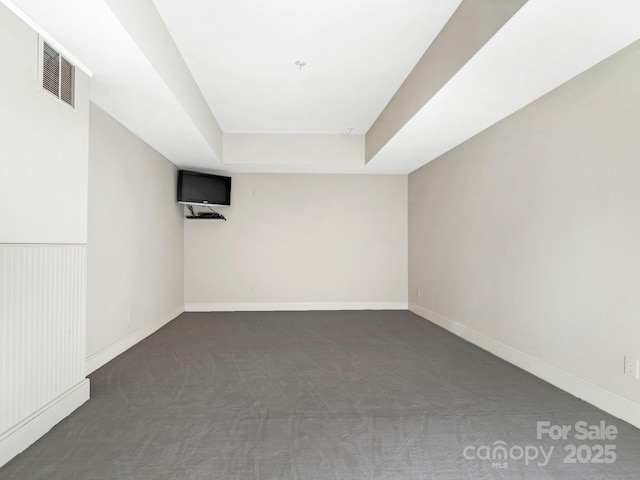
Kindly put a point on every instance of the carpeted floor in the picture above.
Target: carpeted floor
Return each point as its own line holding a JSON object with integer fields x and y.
{"x": 320, "y": 395}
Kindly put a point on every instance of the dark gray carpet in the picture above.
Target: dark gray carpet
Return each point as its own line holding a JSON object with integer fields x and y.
{"x": 316, "y": 395}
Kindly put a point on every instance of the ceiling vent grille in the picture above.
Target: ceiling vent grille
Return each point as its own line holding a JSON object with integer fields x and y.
{"x": 58, "y": 75}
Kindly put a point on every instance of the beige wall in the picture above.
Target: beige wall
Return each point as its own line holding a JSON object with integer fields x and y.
{"x": 528, "y": 235}
{"x": 295, "y": 238}
{"x": 43, "y": 147}
{"x": 135, "y": 261}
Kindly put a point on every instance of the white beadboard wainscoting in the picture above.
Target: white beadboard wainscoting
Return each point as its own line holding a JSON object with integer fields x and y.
{"x": 42, "y": 340}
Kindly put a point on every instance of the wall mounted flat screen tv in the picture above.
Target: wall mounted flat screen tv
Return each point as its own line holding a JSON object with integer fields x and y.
{"x": 195, "y": 188}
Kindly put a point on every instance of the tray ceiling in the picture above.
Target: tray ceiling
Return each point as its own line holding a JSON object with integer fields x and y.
{"x": 385, "y": 86}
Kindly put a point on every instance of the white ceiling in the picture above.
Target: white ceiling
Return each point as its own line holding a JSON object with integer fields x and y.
{"x": 238, "y": 64}
{"x": 357, "y": 54}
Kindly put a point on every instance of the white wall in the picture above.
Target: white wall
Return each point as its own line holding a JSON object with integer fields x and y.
{"x": 294, "y": 149}
{"x": 525, "y": 238}
{"x": 302, "y": 241}
{"x": 43, "y": 231}
{"x": 43, "y": 147}
{"x": 135, "y": 259}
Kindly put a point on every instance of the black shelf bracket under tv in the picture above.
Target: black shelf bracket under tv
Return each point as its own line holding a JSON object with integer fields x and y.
{"x": 212, "y": 215}
{"x": 199, "y": 217}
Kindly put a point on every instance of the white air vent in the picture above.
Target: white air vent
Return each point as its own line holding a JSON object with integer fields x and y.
{"x": 58, "y": 75}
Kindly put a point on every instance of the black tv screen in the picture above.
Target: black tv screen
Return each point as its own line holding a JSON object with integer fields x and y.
{"x": 195, "y": 188}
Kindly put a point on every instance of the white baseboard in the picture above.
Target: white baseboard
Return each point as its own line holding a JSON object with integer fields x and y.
{"x": 292, "y": 306}
{"x": 20, "y": 437}
{"x": 98, "y": 359}
{"x": 610, "y": 402}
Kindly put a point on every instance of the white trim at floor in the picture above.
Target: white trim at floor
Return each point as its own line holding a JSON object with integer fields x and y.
{"x": 24, "y": 434}
{"x": 292, "y": 306}
{"x": 608, "y": 401}
{"x": 107, "y": 354}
